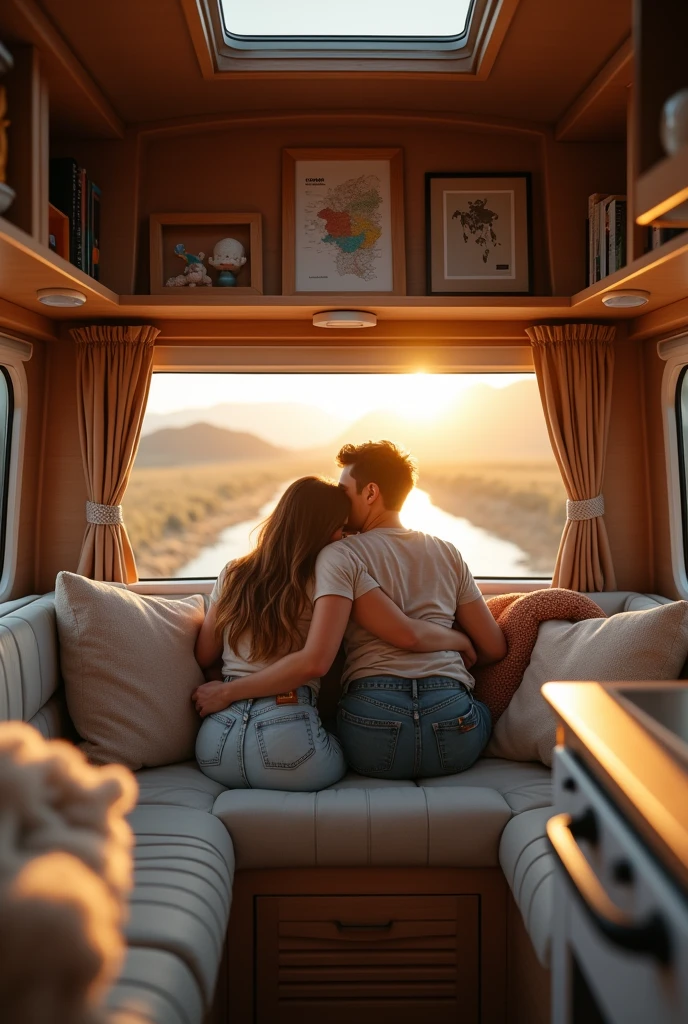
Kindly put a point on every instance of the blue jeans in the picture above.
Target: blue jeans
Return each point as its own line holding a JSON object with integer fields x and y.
{"x": 393, "y": 728}
{"x": 259, "y": 744}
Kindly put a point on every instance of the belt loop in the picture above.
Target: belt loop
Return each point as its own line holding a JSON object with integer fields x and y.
{"x": 414, "y": 689}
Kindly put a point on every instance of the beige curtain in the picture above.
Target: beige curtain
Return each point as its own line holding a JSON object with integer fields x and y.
{"x": 114, "y": 366}
{"x": 574, "y": 364}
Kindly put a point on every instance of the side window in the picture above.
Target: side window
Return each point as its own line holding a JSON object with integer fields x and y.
{"x": 682, "y": 429}
{"x": 6, "y": 416}
{"x": 218, "y": 449}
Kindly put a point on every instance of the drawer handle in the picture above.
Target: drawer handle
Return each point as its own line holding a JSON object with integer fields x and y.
{"x": 345, "y": 926}
{"x": 649, "y": 936}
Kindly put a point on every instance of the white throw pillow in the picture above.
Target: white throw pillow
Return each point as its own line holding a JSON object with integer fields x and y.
{"x": 638, "y": 645}
{"x": 129, "y": 671}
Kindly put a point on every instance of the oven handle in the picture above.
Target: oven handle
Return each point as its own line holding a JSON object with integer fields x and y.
{"x": 649, "y": 936}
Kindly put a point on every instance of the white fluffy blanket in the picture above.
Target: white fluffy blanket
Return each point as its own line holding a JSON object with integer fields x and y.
{"x": 65, "y": 871}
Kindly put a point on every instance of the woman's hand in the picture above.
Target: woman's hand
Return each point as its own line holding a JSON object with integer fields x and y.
{"x": 465, "y": 648}
{"x": 211, "y": 697}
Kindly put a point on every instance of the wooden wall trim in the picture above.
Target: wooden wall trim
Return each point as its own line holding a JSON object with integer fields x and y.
{"x": 619, "y": 67}
{"x": 46, "y": 37}
{"x": 264, "y": 119}
{"x": 25, "y": 322}
{"x": 661, "y": 323}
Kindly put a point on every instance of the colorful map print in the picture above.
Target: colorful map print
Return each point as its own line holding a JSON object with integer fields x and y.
{"x": 352, "y": 224}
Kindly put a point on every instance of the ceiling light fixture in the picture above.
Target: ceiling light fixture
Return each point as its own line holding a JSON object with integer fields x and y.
{"x": 623, "y": 298}
{"x": 60, "y": 297}
{"x": 346, "y": 318}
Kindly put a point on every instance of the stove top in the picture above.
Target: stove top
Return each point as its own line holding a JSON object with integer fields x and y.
{"x": 662, "y": 708}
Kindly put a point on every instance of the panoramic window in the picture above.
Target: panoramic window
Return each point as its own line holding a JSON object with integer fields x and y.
{"x": 218, "y": 449}
{"x": 6, "y": 411}
{"x": 329, "y": 21}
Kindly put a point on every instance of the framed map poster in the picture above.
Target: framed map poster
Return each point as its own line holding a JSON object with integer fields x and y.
{"x": 478, "y": 234}
{"x": 343, "y": 221}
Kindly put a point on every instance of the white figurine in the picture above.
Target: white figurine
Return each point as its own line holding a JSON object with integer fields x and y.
{"x": 228, "y": 257}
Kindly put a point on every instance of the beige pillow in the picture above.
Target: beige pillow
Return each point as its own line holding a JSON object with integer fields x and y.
{"x": 649, "y": 645}
{"x": 129, "y": 671}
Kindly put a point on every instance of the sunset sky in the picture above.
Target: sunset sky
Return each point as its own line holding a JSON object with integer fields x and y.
{"x": 345, "y": 396}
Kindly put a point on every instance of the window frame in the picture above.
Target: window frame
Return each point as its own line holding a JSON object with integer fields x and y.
{"x": 340, "y": 359}
{"x": 674, "y": 352}
{"x": 14, "y": 352}
{"x": 472, "y": 54}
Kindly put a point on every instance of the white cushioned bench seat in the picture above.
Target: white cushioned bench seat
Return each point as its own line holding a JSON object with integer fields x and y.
{"x": 370, "y": 826}
{"x": 527, "y": 861}
{"x": 178, "y": 785}
{"x": 154, "y": 987}
{"x": 523, "y": 784}
{"x": 183, "y": 873}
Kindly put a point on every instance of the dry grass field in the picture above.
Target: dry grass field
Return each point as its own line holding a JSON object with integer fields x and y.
{"x": 172, "y": 513}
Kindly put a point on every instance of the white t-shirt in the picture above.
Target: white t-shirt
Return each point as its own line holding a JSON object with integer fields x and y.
{"x": 236, "y": 662}
{"x": 425, "y": 576}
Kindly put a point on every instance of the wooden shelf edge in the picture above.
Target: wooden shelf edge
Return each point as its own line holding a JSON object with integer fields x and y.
{"x": 70, "y": 276}
{"x": 632, "y": 275}
{"x": 663, "y": 188}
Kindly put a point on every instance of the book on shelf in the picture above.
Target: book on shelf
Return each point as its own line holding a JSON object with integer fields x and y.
{"x": 658, "y": 236}
{"x": 606, "y": 235}
{"x": 72, "y": 192}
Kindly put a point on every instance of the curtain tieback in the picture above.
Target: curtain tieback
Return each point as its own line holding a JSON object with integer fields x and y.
{"x": 588, "y": 508}
{"x": 103, "y": 515}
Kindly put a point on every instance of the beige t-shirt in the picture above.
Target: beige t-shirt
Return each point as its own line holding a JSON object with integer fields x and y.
{"x": 425, "y": 576}
{"x": 236, "y": 662}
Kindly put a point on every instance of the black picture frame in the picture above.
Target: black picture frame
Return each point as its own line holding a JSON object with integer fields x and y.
{"x": 523, "y": 217}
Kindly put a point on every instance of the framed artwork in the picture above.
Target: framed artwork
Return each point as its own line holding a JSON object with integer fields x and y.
{"x": 343, "y": 221}
{"x": 478, "y": 230}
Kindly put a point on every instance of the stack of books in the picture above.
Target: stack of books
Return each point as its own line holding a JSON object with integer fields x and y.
{"x": 73, "y": 192}
{"x": 606, "y": 235}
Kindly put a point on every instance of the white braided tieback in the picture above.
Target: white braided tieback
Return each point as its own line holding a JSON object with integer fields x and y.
{"x": 103, "y": 515}
{"x": 589, "y": 508}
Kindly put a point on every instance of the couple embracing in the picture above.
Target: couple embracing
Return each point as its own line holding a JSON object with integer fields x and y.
{"x": 413, "y": 623}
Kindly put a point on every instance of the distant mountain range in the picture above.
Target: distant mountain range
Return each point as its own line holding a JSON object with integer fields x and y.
{"x": 486, "y": 424}
{"x": 287, "y": 424}
{"x": 202, "y": 442}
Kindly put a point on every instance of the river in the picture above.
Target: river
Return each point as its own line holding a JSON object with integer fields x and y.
{"x": 486, "y": 554}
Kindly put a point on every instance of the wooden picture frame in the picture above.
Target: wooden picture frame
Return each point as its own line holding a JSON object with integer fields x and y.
{"x": 358, "y": 248}
{"x": 464, "y": 245}
{"x": 199, "y": 232}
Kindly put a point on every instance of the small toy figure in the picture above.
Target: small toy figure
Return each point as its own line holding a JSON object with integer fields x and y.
{"x": 194, "y": 272}
{"x": 228, "y": 257}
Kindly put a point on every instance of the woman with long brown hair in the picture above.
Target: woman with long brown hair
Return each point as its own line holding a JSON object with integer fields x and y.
{"x": 260, "y": 610}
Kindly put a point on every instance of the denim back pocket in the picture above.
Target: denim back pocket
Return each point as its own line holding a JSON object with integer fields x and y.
{"x": 212, "y": 737}
{"x": 287, "y": 741}
{"x": 369, "y": 743}
{"x": 456, "y": 752}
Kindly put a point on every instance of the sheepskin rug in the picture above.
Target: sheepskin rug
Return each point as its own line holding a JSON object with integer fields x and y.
{"x": 65, "y": 872}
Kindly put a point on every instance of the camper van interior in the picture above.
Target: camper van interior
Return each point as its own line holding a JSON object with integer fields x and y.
{"x": 343, "y": 512}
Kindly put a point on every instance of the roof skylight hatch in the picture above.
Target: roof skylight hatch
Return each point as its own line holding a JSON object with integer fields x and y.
{"x": 346, "y": 26}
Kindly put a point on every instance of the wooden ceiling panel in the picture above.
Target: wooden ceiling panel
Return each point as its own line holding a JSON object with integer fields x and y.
{"x": 141, "y": 56}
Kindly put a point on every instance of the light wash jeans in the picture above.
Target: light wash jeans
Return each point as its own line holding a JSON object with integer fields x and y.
{"x": 393, "y": 728}
{"x": 258, "y": 744}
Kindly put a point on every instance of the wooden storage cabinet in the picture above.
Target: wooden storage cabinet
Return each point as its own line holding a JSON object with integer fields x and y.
{"x": 367, "y": 959}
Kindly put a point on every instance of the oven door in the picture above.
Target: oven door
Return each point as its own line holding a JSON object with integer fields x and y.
{"x": 620, "y": 941}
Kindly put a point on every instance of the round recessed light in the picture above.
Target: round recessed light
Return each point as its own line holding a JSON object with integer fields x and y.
{"x": 626, "y": 297}
{"x": 347, "y": 318}
{"x": 60, "y": 297}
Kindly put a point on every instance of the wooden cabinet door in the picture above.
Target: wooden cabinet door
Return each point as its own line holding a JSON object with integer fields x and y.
{"x": 367, "y": 959}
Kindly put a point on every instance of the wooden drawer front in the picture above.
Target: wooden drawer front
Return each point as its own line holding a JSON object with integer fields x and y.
{"x": 367, "y": 959}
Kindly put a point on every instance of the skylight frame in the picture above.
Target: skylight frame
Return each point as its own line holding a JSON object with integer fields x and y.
{"x": 472, "y": 54}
